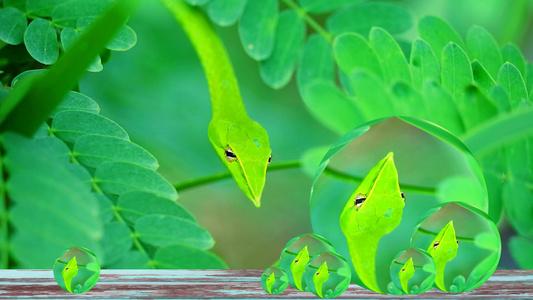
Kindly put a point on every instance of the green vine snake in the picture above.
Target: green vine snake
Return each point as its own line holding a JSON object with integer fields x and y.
{"x": 241, "y": 143}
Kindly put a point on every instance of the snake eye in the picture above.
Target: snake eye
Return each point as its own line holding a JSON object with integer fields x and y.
{"x": 230, "y": 155}
{"x": 403, "y": 270}
{"x": 270, "y": 158}
{"x": 435, "y": 245}
{"x": 359, "y": 199}
{"x": 403, "y": 196}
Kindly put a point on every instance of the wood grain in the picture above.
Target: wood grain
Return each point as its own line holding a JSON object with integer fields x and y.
{"x": 241, "y": 284}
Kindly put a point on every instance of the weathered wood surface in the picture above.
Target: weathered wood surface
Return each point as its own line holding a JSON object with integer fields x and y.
{"x": 161, "y": 284}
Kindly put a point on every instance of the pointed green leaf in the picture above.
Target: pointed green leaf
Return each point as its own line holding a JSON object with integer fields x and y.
{"x": 132, "y": 260}
{"x": 331, "y": 106}
{"x": 482, "y": 77}
{"x": 438, "y": 33}
{"x": 390, "y": 56}
{"x": 134, "y": 205}
{"x": 119, "y": 178}
{"x": 94, "y": 150}
{"x": 521, "y": 251}
{"x": 116, "y": 242}
{"x": 370, "y": 96}
{"x": 13, "y": 23}
{"x": 162, "y": 231}
{"x": 361, "y": 18}
{"x": 225, "y": 12}
{"x": 68, "y": 37}
{"x": 511, "y": 80}
{"x": 483, "y": 47}
{"x": 257, "y": 28}
{"x": 353, "y": 53}
{"x": 41, "y": 8}
{"x": 407, "y": 101}
{"x": 424, "y": 64}
{"x": 77, "y": 101}
{"x": 187, "y": 257}
{"x": 324, "y": 6}
{"x": 276, "y": 71}
{"x": 518, "y": 205}
{"x": 511, "y": 53}
{"x": 316, "y": 62}
{"x": 68, "y": 13}
{"x": 441, "y": 108}
{"x": 70, "y": 125}
{"x": 456, "y": 71}
{"x": 40, "y": 39}
{"x": 474, "y": 107}
{"x": 500, "y": 98}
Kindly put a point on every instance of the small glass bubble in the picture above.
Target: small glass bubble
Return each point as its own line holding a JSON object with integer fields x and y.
{"x": 274, "y": 280}
{"x": 296, "y": 254}
{"x": 77, "y": 270}
{"x": 327, "y": 275}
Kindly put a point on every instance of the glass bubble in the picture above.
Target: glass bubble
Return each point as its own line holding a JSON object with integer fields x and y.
{"x": 412, "y": 272}
{"x": 77, "y": 270}
{"x": 464, "y": 243}
{"x": 274, "y": 280}
{"x": 327, "y": 275}
{"x": 296, "y": 255}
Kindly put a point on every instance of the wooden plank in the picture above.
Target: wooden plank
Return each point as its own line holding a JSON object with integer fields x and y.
{"x": 222, "y": 284}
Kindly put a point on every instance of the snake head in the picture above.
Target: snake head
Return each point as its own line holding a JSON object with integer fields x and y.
{"x": 406, "y": 272}
{"x": 320, "y": 277}
{"x": 244, "y": 148}
{"x": 376, "y": 205}
{"x": 298, "y": 267}
{"x": 445, "y": 245}
{"x": 270, "y": 282}
{"x": 69, "y": 272}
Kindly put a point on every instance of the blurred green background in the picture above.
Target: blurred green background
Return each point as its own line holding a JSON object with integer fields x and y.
{"x": 158, "y": 93}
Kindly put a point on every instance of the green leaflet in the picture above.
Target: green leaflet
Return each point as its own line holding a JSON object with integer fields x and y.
{"x": 20, "y": 4}
{"x": 124, "y": 39}
{"x": 361, "y": 18}
{"x": 161, "y": 231}
{"x": 441, "y": 109}
{"x": 41, "y": 8}
{"x": 134, "y": 205}
{"x": 370, "y": 96}
{"x": 512, "y": 54}
{"x": 323, "y": 6}
{"x": 529, "y": 79}
{"x": 257, "y": 28}
{"x": 475, "y": 107}
{"x": 93, "y": 150}
{"x": 390, "y": 56}
{"x": 328, "y": 104}
{"x": 438, "y": 33}
{"x": 68, "y": 13}
{"x": 132, "y": 260}
{"x": 424, "y": 65}
{"x": 187, "y": 257}
{"x": 70, "y": 125}
{"x": 316, "y": 62}
{"x": 197, "y": 2}
{"x": 119, "y": 178}
{"x": 482, "y": 78}
{"x": 116, "y": 242}
{"x": 456, "y": 71}
{"x": 352, "y": 53}
{"x": 511, "y": 80}
{"x": 12, "y": 25}
{"x": 407, "y": 101}
{"x": 225, "y": 12}
{"x": 77, "y": 101}
{"x": 276, "y": 71}
{"x": 521, "y": 251}
{"x": 518, "y": 206}
{"x": 40, "y": 39}
{"x": 500, "y": 97}
{"x": 482, "y": 47}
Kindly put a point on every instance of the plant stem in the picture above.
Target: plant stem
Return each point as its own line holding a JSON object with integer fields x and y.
{"x": 303, "y": 14}
{"x": 184, "y": 185}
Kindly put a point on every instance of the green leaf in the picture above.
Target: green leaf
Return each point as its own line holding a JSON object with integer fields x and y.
{"x": 119, "y": 178}
{"x": 94, "y": 150}
{"x": 324, "y": 6}
{"x": 70, "y": 125}
{"x": 117, "y": 242}
{"x": 441, "y": 108}
{"x": 529, "y": 78}
{"x": 40, "y": 39}
{"x": 331, "y": 106}
{"x": 518, "y": 205}
{"x": 20, "y": 4}
{"x": 390, "y": 56}
{"x": 483, "y": 47}
{"x": 123, "y": 40}
{"x": 500, "y": 97}
{"x": 474, "y": 107}
{"x": 68, "y": 37}
{"x": 68, "y": 13}
{"x": 13, "y": 23}
{"x": 518, "y": 155}
{"x": 186, "y": 257}
{"x": 352, "y": 53}
{"x": 106, "y": 207}
{"x": 41, "y": 8}
{"x": 164, "y": 231}
{"x": 456, "y": 71}
{"x": 361, "y": 18}
{"x": 50, "y": 147}
{"x": 276, "y": 71}
{"x": 424, "y": 64}
{"x": 257, "y": 28}
{"x": 482, "y": 77}
{"x": 225, "y": 12}
{"x": 438, "y": 33}
{"x": 197, "y": 2}
{"x": 520, "y": 248}
{"x": 134, "y": 205}
{"x": 370, "y": 96}
{"x": 77, "y": 101}
{"x": 511, "y": 53}
{"x": 511, "y": 80}
{"x": 407, "y": 101}
{"x": 132, "y": 260}
{"x": 26, "y": 75}
{"x": 316, "y": 62}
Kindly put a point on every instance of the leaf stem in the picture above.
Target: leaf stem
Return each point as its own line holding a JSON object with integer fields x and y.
{"x": 312, "y": 23}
